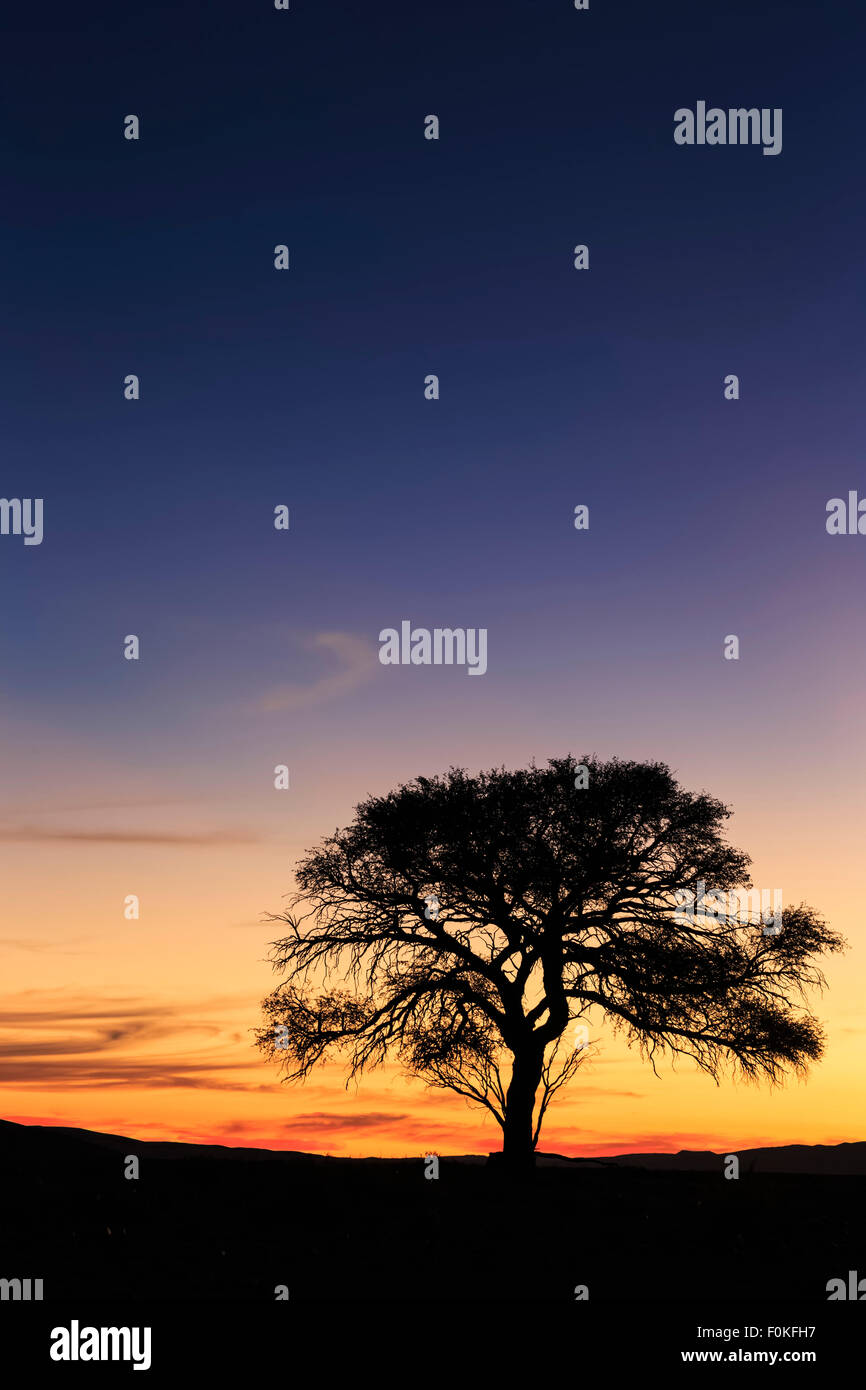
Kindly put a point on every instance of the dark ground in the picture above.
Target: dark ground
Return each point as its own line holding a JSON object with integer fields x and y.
{"x": 205, "y": 1223}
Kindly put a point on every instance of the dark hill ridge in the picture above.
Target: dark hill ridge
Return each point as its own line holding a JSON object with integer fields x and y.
{"x": 24, "y": 1139}
{"x": 838, "y": 1159}
{"x": 841, "y": 1159}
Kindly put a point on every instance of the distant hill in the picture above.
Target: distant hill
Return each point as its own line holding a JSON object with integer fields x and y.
{"x": 825, "y": 1159}
{"x": 21, "y": 1139}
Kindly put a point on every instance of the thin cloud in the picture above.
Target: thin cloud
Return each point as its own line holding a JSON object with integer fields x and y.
{"x": 200, "y": 839}
{"x": 57, "y": 948}
{"x": 332, "y": 1132}
{"x": 73, "y": 1043}
{"x": 597, "y": 1143}
{"x": 60, "y": 1007}
{"x": 159, "y": 1073}
{"x": 52, "y": 807}
{"x": 359, "y": 663}
{"x": 329, "y": 1122}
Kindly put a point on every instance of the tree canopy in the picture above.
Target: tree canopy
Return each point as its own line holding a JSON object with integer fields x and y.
{"x": 461, "y": 923}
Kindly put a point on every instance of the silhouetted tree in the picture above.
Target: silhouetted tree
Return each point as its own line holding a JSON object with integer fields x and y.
{"x": 555, "y": 899}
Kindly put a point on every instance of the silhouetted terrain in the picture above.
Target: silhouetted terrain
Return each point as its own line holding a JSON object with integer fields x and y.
{"x": 211, "y": 1222}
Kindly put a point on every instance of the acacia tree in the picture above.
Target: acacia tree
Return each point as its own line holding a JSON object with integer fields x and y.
{"x": 470, "y": 920}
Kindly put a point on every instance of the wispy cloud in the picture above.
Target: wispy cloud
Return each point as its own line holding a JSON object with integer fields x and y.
{"x": 78, "y": 1043}
{"x": 158, "y": 1073}
{"x": 333, "y": 1132}
{"x": 329, "y": 1122}
{"x": 597, "y": 1143}
{"x": 56, "y": 948}
{"x": 202, "y": 838}
{"x": 53, "y": 807}
{"x": 359, "y": 664}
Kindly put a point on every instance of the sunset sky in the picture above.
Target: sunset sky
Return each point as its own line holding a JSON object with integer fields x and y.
{"x": 306, "y": 388}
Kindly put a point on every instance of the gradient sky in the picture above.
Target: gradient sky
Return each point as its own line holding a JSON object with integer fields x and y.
{"x": 558, "y": 387}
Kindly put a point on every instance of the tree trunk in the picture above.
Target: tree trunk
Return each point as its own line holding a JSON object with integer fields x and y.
{"x": 518, "y": 1151}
